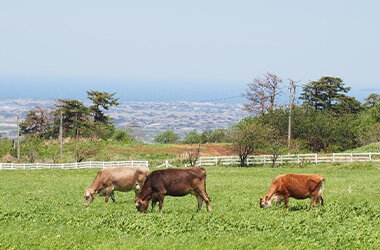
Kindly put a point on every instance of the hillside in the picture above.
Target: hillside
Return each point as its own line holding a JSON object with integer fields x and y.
{"x": 48, "y": 151}
{"x": 373, "y": 147}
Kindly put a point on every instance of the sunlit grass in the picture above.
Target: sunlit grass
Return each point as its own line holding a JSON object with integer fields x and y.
{"x": 44, "y": 209}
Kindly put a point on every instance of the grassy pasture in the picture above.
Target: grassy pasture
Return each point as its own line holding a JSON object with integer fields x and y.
{"x": 43, "y": 209}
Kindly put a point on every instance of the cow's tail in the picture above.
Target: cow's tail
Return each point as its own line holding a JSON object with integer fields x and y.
{"x": 322, "y": 182}
{"x": 321, "y": 186}
{"x": 205, "y": 183}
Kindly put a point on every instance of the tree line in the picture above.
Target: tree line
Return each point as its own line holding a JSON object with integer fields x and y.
{"x": 327, "y": 119}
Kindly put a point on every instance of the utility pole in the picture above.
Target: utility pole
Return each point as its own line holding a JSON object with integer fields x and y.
{"x": 60, "y": 137}
{"x": 292, "y": 94}
{"x": 18, "y": 139}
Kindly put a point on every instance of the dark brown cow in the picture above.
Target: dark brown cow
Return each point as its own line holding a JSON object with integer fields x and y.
{"x": 122, "y": 179}
{"x": 298, "y": 186}
{"x": 173, "y": 182}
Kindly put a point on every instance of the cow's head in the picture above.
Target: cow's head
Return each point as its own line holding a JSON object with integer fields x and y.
{"x": 264, "y": 202}
{"x": 141, "y": 205}
{"x": 88, "y": 196}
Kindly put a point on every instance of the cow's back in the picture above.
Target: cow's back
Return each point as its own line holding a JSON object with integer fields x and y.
{"x": 123, "y": 178}
{"x": 142, "y": 171}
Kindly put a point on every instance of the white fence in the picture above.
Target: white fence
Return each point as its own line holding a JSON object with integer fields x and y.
{"x": 74, "y": 165}
{"x": 210, "y": 161}
{"x": 291, "y": 158}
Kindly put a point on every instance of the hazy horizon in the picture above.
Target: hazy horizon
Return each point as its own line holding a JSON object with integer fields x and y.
{"x": 140, "y": 91}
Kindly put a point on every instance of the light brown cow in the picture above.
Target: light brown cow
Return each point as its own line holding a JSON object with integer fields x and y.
{"x": 122, "y": 179}
{"x": 298, "y": 186}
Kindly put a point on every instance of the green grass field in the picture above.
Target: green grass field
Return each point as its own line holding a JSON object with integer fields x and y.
{"x": 43, "y": 209}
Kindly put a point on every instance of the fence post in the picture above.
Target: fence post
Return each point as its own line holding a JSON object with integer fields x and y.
{"x": 1, "y": 165}
{"x": 370, "y": 156}
{"x": 351, "y": 157}
{"x": 281, "y": 160}
{"x": 298, "y": 159}
{"x": 216, "y": 160}
{"x": 103, "y": 164}
{"x": 37, "y": 165}
{"x": 333, "y": 157}
{"x": 316, "y": 158}
{"x": 76, "y": 164}
{"x": 248, "y": 160}
{"x": 200, "y": 161}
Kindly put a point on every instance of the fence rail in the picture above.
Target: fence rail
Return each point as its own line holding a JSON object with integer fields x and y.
{"x": 293, "y": 158}
{"x": 74, "y": 165}
{"x": 211, "y": 161}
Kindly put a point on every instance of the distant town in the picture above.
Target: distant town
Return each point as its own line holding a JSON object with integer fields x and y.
{"x": 143, "y": 120}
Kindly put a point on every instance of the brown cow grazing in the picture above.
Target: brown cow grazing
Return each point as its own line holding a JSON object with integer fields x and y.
{"x": 298, "y": 186}
{"x": 173, "y": 182}
{"x": 122, "y": 179}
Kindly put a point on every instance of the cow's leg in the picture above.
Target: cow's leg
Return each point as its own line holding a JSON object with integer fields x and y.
{"x": 160, "y": 202}
{"x": 109, "y": 191}
{"x": 315, "y": 197}
{"x": 313, "y": 202}
{"x": 205, "y": 197}
{"x": 113, "y": 196}
{"x": 201, "y": 191}
{"x": 200, "y": 201}
{"x": 321, "y": 200}
{"x": 154, "y": 198}
{"x": 159, "y": 196}
{"x": 153, "y": 205}
{"x": 107, "y": 196}
{"x": 286, "y": 200}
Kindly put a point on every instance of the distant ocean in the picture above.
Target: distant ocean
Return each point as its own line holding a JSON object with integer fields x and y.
{"x": 126, "y": 90}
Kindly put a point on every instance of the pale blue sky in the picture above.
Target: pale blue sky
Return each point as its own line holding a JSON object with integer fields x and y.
{"x": 183, "y": 50}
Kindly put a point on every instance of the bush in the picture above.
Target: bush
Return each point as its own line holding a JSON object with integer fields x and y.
{"x": 166, "y": 137}
{"x": 192, "y": 137}
{"x": 218, "y": 135}
{"x": 121, "y": 135}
